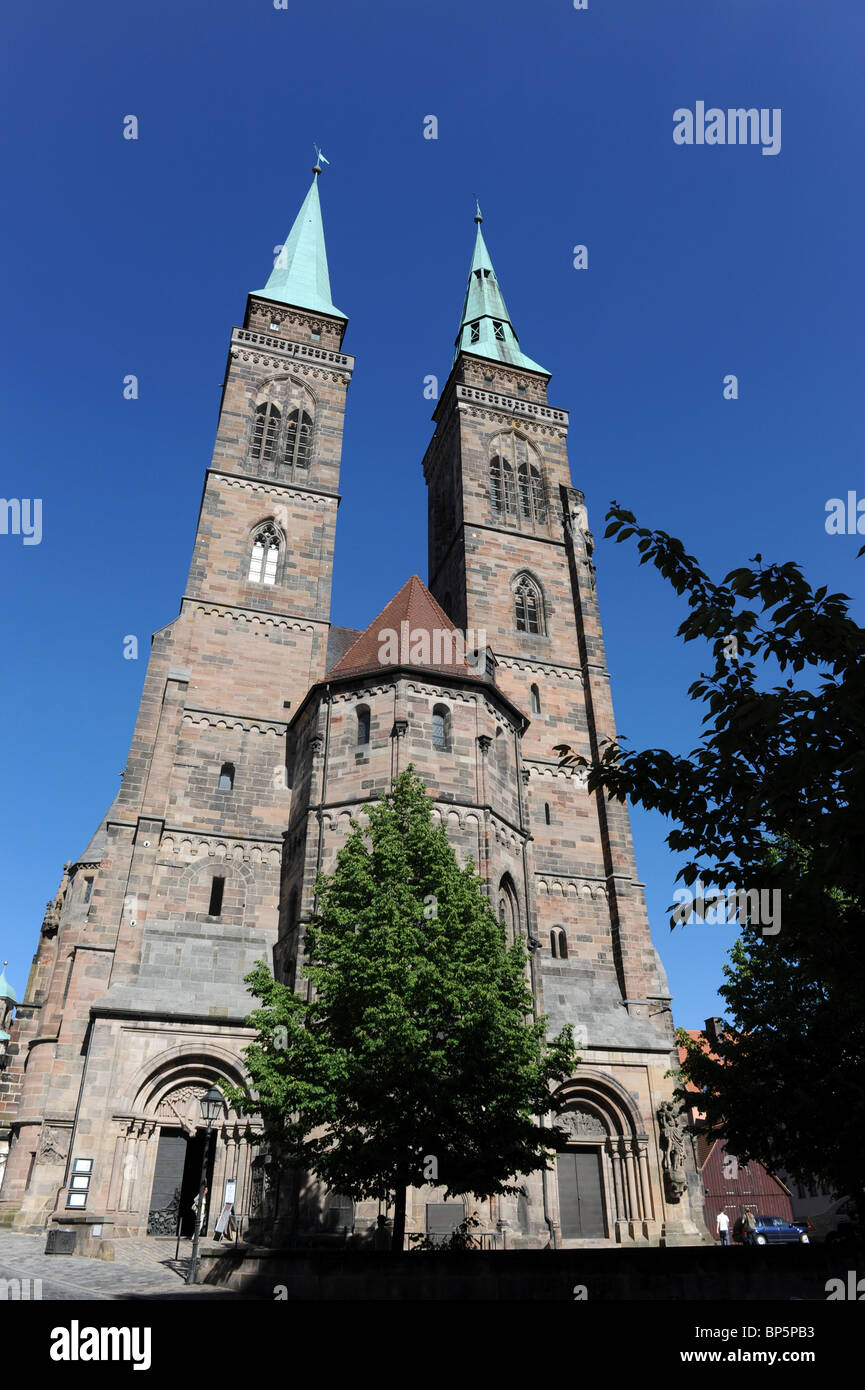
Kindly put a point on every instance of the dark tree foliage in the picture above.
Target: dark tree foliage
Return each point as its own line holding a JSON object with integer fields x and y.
{"x": 773, "y": 797}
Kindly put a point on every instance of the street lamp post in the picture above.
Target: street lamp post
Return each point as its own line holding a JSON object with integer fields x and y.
{"x": 211, "y": 1108}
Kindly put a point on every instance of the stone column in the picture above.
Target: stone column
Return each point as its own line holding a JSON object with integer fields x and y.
{"x": 116, "y": 1180}
{"x": 145, "y": 1166}
{"x": 615, "y": 1163}
{"x": 484, "y": 742}
{"x": 633, "y": 1210}
{"x": 130, "y": 1167}
{"x": 633, "y": 1191}
{"x": 399, "y": 730}
{"x": 642, "y": 1150}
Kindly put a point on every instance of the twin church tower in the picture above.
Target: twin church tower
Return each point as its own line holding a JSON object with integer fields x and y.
{"x": 263, "y": 728}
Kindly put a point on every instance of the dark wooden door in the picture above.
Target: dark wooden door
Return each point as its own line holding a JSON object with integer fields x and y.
{"x": 581, "y": 1199}
{"x": 167, "y": 1183}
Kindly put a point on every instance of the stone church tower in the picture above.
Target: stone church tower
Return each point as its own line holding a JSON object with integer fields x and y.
{"x": 263, "y": 730}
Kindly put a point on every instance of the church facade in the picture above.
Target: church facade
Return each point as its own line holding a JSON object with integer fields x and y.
{"x": 264, "y": 729}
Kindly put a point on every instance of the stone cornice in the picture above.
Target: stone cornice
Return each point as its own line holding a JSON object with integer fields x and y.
{"x": 545, "y": 769}
{"x": 334, "y": 811}
{"x": 208, "y": 720}
{"x": 190, "y": 833}
{"x": 541, "y": 668}
{"x": 252, "y": 615}
{"x": 308, "y": 358}
{"x": 512, "y": 405}
{"x": 222, "y": 719}
{"x": 579, "y": 885}
{"x": 247, "y": 483}
{"x": 430, "y": 688}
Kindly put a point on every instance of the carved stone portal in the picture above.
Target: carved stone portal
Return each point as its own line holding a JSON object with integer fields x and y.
{"x": 582, "y": 1125}
{"x": 182, "y": 1107}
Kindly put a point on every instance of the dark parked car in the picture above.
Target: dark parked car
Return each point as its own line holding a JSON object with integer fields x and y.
{"x": 839, "y": 1224}
{"x": 773, "y": 1230}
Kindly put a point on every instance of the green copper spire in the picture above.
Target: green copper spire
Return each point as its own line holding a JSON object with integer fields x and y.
{"x": 6, "y": 990}
{"x": 8, "y": 997}
{"x": 300, "y": 276}
{"x": 485, "y": 328}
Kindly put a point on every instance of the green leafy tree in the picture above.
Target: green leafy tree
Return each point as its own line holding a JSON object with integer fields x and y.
{"x": 772, "y": 798}
{"x": 417, "y": 1060}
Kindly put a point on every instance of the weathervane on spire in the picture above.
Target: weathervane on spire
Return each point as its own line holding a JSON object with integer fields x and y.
{"x": 319, "y": 159}
{"x": 478, "y": 213}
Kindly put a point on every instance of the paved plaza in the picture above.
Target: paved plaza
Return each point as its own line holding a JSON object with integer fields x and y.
{"x": 140, "y": 1268}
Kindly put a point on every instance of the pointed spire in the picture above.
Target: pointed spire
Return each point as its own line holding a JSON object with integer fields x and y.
{"x": 300, "y": 276}
{"x": 485, "y": 327}
{"x": 6, "y": 990}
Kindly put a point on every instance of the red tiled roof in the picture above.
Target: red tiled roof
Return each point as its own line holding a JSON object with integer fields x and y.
{"x": 411, "y": 630}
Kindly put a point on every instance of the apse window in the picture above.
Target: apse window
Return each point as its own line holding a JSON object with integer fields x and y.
{"x": 217, "y": 888}
{"x": 441, "y": 728}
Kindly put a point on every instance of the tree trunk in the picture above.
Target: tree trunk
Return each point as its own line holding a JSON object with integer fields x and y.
{"x": 399, "y": 1217}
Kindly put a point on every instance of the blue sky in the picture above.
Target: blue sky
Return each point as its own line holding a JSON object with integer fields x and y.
{"x": 136, "y": 257}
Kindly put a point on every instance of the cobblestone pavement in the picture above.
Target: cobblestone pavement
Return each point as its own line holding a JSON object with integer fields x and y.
{"x": 138, "y": 1268}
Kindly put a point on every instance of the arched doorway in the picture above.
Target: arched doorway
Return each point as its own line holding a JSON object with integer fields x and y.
{"x": 603, "y": 1183}
{"x": 162, "y": 1144}
{"x": 184, "y": 1148}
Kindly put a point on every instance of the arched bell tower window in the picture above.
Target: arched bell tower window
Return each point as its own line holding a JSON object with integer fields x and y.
{"x": 363, "y": 724}
{"x": 559, "y": 943}
{"x": 265, "y": 432}
{"x": 536, "y": 700}
{"x": 298, "y": 440}
{"x": 502, "y": 490}
{"x": 516, "y": 483}
{"x": 264, "y": 560}
{"x": 532, "y": 507}
{"x": 528, "y": 605}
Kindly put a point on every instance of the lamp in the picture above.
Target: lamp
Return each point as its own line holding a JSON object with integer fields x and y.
{"x": 211, "y": 1108}
{"x": 211, "y": 1105}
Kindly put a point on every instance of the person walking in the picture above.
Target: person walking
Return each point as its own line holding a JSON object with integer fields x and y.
{"x": 749, "y": 1228}
{"x": 723, "y": 1227}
